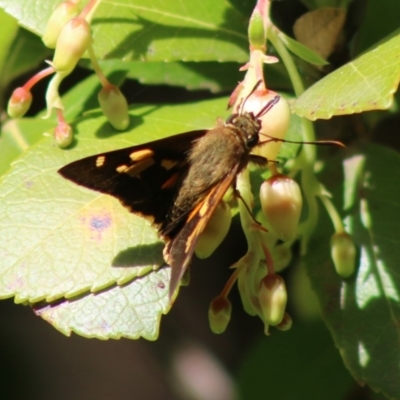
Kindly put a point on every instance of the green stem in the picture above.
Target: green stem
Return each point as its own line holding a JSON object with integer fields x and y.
{"x": 287, "y": 60}
{"x": 333, "y": 213}
{"x": 89, "y": 10}
{"x": 307, "y": 155}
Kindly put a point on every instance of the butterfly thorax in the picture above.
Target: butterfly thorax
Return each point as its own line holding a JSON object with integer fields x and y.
{"x": 214, "y": 156}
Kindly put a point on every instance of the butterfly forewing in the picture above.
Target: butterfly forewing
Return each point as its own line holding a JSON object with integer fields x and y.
{"x": 144, "y": 177}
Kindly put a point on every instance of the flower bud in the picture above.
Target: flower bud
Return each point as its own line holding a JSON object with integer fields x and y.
{"x": 281, "y": 202}
{"x": 114, "y": 106}
{"x": 275, "y": 122}
{"x": 343, "y": 253}
{"x": 257, "y": 36}
{"x": 286, "y": 323}
{"x": 19, "y": 102}
{"x": 60, "y": 16}
{"x": 219, "y": 314}
{"x": 215, "y": 231}
{"x": 72, "y": 42}
{"x": 63, "y": 134}
{"x": 272, "y": 297}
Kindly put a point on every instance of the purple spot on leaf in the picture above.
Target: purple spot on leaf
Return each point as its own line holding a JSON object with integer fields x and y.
{"x": 97, "y": 224}
{"x": 100, "y": 223}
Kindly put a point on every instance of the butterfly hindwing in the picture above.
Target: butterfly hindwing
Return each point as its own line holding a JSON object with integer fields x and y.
{"x": 144, "y": 177}
{"x": 179, "y": 251}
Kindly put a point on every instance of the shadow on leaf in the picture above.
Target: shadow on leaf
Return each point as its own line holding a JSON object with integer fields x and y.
{"x": 138, "y": 256}
{"x": 139, "y": 44}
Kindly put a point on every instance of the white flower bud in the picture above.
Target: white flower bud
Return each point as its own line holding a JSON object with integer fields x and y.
{"x": 72, "y": 42}
{"x": 219, "y": 314}
{"x": 272, "y": 297}
{"x": 275, "y": 122}
{"x": 343, "y": 253}
{"x": 60, "y": 16}
{"x": 19, "y": 102}
{"x": 114, "y": 107}
{"x": 281, "y": 202}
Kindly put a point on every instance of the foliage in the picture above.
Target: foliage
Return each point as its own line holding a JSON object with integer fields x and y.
{"x": 86, "y": 265}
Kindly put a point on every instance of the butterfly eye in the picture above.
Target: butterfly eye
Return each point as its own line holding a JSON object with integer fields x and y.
{"x": 252, "y": 141}
{"x": 231, "y": 119}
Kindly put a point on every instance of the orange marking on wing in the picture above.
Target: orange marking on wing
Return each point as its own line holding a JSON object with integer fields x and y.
{"x": 170, "y": 182}
{"x": 100, "y": 161}
{"x": 141, "y": 155}
{"x": 122, "y": 168}
{"x": 193, "y": 213}
{"x": 139, "y": 167}
{"x": 169, "y": 164}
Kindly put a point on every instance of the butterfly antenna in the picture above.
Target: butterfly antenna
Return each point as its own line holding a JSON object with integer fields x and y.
{"x": 317, "y": 142}
{"x": 268, "y": 106}
{"x": 243, "y": 102}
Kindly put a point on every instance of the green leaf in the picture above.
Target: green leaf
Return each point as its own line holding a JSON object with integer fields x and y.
{"x": 130, "y": 311}
{"x": 83, "y": 95}
{"x": 362, "y": 312}
{"x": 198, "y": 30}
{"x": 301, "y": 51}
{"x": 213, "y": 76}
{"x": 43, "y": 217}
{"x": 25, "y": 53}
{"x": 8, "y": 31}
{"x": 365, "y": 84}
{"x": 17, "y": 136}
{"x": 380, "y": 18}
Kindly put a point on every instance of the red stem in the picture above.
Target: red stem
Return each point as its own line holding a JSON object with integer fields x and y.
{"x": 39, "y": 76}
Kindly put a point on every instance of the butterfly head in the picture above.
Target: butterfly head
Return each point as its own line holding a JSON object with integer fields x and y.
{"x": 248, "y": 126}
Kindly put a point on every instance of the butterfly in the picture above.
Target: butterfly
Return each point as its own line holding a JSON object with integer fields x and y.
{"x": 176, "y": 182}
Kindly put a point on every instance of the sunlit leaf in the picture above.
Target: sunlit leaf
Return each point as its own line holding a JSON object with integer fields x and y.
{"x": 365, "y": 84}
{"x": 153, "y": 31}
{"x": 130, "y": 311}
{"x": 362, "y": 312}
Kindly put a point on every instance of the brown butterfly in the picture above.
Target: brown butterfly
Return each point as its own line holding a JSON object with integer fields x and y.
{"x": 178, "y": 181}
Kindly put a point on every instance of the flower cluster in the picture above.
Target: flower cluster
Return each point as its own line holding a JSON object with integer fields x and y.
{"x": 68, "y": 33}
{"x": 263, "y": 291}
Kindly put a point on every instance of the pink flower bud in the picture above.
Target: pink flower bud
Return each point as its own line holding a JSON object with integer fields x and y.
{"x": 60, "y": 16}
{"x": 275, "y": 122}
{"x": 114, "y": 106}
{"x": 281, "y": 202}
{"x": 72, "y": 42}
{"x": 19, "y": 102}
{"x": 63, "y": 134}
{"x": 219, "y": 314}
{"x": 215, "y": 231}
{"x": 272, "y": 297}
{"x": 343, "y": 253}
